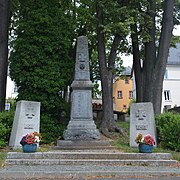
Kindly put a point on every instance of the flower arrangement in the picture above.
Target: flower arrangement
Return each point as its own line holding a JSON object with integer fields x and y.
{"x": 31, "y": 138}
{"x": 147, "y": 139}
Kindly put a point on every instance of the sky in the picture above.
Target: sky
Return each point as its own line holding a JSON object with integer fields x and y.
{"x": 127, "y": 60}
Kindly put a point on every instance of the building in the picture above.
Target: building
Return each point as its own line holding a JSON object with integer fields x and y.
{"x": 122, "y": 91}
{"x": 11, "y": 88}
{"x": 171, "y": 83}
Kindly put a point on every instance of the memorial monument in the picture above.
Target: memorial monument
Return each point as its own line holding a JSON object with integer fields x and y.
{"x": 26, "y": 120}
{"x": 81, "y": 125}
{"x": 141, "y": 121}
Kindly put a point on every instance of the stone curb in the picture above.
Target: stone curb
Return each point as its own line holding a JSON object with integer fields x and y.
{"x": 70, "y": 174}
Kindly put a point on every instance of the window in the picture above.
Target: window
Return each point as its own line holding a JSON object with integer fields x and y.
{"x": 126, "y": 81}
{"x": 167, "y": 96}
{"x": 124, "y": 107}
{"x": 166, "y": 74}
{"x": 130, "y": 95}
{"x": 119, "y": 94}
{"x": 15, "y": 89}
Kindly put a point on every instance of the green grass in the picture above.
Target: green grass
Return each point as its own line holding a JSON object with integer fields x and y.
{"x": 3, "y": 155}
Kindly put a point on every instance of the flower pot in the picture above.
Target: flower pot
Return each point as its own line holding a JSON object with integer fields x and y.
{"x": 29, "y": 148}
{"x": 145, "y": 148}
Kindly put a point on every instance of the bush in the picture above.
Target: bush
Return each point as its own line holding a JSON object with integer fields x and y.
{"x": 51, "y": 128}
{"x": 6, "y": 121}
{"x": 168, "y": 130}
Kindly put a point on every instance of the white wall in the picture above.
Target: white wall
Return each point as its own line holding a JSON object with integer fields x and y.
{"x": 172, "y": 83}
{"x": 10, "y": 88}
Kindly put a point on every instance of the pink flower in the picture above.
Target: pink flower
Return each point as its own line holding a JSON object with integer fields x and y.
{"x": 148, "y": 139}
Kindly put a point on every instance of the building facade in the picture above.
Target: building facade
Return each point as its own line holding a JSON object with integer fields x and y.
{"x": 171, "y": 83}
{"x": 122, "y": 91}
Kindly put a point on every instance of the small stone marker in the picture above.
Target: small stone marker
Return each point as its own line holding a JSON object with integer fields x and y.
{"x": 141, "y": 121}
{"x": 81, "y": 125}
{"x": 27, "y": 119}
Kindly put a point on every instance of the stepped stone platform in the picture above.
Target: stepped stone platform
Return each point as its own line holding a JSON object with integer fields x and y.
{"x": 89, "y": 157}
{"x": 87, "y": 163}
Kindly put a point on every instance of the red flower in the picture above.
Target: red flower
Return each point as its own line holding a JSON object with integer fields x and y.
{"x": 149, "y": 140}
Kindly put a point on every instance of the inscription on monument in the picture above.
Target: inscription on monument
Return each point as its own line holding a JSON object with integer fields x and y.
{"x": 141, "y": 127}
{"x": 82, "y": 57}
{"x": 80, "y": 109}
{"x": 28, "y": 126}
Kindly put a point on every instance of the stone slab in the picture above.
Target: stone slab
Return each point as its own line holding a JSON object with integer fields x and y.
{"x": 26, "y": 120}
{"x": 85, "y": 154}
{"x": 141, "y": 121}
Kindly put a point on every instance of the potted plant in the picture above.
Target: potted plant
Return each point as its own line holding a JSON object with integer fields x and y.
{"x": 146, "y": 143}
{"x": 29, "y": 142}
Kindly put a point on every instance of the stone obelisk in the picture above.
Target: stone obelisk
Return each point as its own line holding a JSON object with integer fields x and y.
{"x": 81, "y": 125}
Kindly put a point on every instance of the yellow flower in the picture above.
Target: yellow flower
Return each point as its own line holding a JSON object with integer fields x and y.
{"x": 139, "y": 138}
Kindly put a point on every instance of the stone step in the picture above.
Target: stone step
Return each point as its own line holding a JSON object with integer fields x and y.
{"x": 89, "y": 158}
{"x": 112, "y": 162}
{"x": 89, "y": 155}
{"x": 83, "y": 145}
{"x": 77, "y": 172}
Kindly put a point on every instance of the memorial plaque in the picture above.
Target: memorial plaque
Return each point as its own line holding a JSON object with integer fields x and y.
{"x": 26, "y": 120}
{"x": 79, "y": 110}
{"x": 141, "y": 121}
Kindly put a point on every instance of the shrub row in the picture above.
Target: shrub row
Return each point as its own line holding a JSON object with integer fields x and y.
{"x": 6, "y": 120}
{"x": 168, "y": 130}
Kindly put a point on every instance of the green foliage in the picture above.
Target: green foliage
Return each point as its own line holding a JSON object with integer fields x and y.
{"x": 40, "y": 62}
{"x": 6, "y": 121}
{"x": 132, "y": 101}
{"x": 168, "y": 130}
{"x": 51, "y": 129}
{"x": 122, "y": 142}
{"x": 3, "y": 133}
{"x": 3, "y": 156}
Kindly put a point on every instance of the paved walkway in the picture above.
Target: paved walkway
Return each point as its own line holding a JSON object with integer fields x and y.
{"x": 82, "y": 172}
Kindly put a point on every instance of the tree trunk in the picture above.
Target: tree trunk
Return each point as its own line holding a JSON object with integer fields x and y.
{"x": 4, "y": 24}
{"x": 106, "y": 101}
{"x": 155, "y": 63}
{"x": 106, "y": 72}
{"x": 162, "y": 57}
{"x": 137, "y": 64}
{"x": 150, "y": 56}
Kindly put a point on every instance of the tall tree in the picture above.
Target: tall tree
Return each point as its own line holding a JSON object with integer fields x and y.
{"x": 107, "y": 59}
{"x": 4, "y": 25}
{"x": 149, "y": 76}
{"x": 40, "y": 60}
